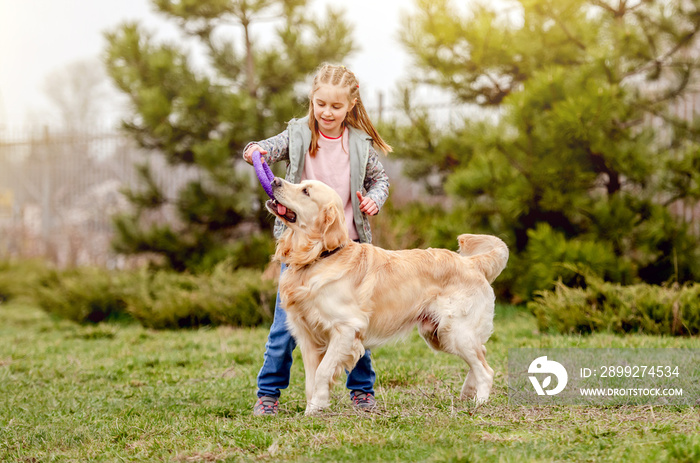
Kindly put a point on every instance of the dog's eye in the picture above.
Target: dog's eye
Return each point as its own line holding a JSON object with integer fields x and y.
{"x": 305, "y": 191}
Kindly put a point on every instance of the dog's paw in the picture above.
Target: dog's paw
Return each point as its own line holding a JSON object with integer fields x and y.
{"x": 315, "y": 409}
{"x": 472, "y": 395}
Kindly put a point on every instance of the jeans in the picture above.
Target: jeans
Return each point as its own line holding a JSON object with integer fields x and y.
{"x": 274, "y": 374}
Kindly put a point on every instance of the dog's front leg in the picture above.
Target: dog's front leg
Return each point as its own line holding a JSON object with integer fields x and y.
{"x": 311, "y": 356}
{"x": 331, "y": 366}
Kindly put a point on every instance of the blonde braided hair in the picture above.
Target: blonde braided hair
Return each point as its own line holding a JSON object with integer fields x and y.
{"x": 358, "y": 118}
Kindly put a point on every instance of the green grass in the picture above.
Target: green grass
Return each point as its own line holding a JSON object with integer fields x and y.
{"x": 125, "y": 393}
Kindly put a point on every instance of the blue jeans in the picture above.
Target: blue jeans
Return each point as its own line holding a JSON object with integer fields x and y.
{"x": 274, "y": 374}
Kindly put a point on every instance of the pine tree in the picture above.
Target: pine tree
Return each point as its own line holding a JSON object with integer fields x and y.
{"x": 587, "y": 152}
{"x": 255, "y": 53}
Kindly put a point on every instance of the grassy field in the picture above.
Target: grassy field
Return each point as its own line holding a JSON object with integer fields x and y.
{"x": 125, "y": 393}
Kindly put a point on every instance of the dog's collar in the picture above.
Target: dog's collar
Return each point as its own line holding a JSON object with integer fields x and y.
{"x": 331, "y": 252}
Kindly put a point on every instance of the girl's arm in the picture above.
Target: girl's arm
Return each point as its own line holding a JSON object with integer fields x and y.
{"x": 273, "y": 149}
{"x": 376, "y": 180}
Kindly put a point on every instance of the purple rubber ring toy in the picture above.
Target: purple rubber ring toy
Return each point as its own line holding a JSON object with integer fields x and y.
{"x": 265, "y": 175}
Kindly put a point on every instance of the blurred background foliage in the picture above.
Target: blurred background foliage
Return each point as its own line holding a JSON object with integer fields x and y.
{"x": 585, "y": 160}
{"x": 576, "y": 154}
{"x": 204, "y": 115}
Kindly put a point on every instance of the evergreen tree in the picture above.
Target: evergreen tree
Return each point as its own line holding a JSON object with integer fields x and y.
{"x": 587, "y": 152}
{"x": 255, "y": 54}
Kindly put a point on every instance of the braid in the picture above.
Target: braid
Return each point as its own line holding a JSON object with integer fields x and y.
{"x": 340, "y": 76}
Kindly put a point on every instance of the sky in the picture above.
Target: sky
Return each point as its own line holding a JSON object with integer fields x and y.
{"x": 38, "y": 37}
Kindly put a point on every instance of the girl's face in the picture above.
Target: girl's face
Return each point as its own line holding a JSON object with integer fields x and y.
{"x": 331, "y": 105}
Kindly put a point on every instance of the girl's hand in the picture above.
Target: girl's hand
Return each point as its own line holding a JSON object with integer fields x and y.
{"x": 248, "y": 155}
{"x": 367, "y": 205}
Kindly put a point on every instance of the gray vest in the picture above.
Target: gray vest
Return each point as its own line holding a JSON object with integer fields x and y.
{"x": 359, "y": 143}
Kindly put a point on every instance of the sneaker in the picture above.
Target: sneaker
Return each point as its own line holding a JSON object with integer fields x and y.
{"x": 266, "y": 406}
{"x": 363, "y": 400}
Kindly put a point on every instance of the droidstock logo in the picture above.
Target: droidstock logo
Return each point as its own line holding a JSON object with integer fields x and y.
{"x": 549, "y": 367}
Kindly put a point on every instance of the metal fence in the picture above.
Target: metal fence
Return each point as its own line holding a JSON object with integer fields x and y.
{"x": 59, "y": 191}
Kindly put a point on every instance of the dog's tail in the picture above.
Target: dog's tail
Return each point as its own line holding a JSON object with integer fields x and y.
{"x": 488, "y": 253}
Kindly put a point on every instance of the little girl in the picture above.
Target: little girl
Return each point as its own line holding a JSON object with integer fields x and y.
{"x": 333, "y": 144}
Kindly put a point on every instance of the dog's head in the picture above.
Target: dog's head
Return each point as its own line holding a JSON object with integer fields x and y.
{"x": 313, "y": 213}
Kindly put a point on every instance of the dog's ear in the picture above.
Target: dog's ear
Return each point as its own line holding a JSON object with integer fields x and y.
{"x": 301, "y": 247}
{"x": 334, "y": 232}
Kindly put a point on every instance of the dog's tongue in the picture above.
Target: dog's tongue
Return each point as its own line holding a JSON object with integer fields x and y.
{"x": 281, "y": 210}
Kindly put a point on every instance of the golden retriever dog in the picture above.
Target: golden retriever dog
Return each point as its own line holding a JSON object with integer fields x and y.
{"x": 342, "y": 297}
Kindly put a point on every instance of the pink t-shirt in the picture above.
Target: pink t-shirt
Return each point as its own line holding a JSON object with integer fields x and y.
{"x": 331, "y": 165}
